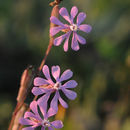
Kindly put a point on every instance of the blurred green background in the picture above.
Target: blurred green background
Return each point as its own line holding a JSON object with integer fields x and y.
{"x": 101, "y": 67}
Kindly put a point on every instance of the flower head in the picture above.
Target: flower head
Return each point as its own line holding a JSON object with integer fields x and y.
{"x": 48, "y": 86}
{"x": 69, "y": 28}
{"x": 33, "y": 119}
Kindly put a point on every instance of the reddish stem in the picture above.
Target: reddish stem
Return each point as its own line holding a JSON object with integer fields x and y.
{"x": 19, "y": 104}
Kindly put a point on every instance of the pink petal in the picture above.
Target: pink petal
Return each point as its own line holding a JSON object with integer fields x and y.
{"x": 80, "y": 39}
{"x": 29, "y": 114}
{"x": 33, "y": 107}
{"x": 64, "y": 13}
{"x": 55, "y": 30}
{"x": 46, "y": 72}
{"x": 70, "y": 94}
{"x": 74, "y": 45}
{"x": 56, "y": 21}
{"x": 85, "y": 28}
{"x": 53, "y": 106}
{"x": 40, "y": 81}
{"x": 42, "y": 128}
{"x": 66, "y": 75}
{"x": 80, "y": 18}
{"x": 50, "y": 128}
{"x": 57, "y": 124}
{"x": 63, "y": 103}
{"x": 74, "y": 12}
{"x": 29, "y": 128}
{"x": 70, "y": 84}
{"x": 24, "y": 121}
{"x": 38, "y": 91}
{"x": 66, "y": 42}
{"x": 42, "y": 102}
{"x": 56, "y": 72}
{"x": 60, "y": 39}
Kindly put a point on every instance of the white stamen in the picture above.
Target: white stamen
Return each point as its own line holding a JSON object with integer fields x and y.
{"x": 73, "y": 27}
{"x": 46, "y": 123}
{"x": 57, "y": 85}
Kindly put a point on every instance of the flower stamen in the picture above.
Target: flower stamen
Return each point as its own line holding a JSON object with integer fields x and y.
{"x": 57, "y": 85}
{"x": 73, "y": 27}
{"x": 46, "y": 123}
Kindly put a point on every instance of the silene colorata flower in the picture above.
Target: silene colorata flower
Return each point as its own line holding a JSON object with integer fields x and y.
{"x": 48, "y": 86}
{"x": 72, "y": 27}
{"x": 33, "y": 119}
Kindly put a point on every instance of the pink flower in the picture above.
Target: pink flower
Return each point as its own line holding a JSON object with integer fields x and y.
{"x": 33, "y": 119}
{"x": 54, "y": 87}
{"x": 68, "y": 29}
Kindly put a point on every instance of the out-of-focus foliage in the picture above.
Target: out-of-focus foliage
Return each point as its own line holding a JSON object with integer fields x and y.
{"x": 101, "y": 68}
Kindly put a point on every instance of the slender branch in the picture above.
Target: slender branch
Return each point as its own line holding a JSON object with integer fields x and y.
{"x": 43, "y": 62}
{"x": 46, "y": 54}
{"x": 20, "y": 104}
{"x": 55, "y": 2}
{"x": 55, "y": 12}
{"x": 17, "y": 108}
{"x": 25, "y": 87}
{"x": 20, "y": 113}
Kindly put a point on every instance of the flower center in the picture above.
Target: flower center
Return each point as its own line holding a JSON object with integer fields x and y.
{"x": 57, "y": 85}
{"x": 73, "y": 27}
{"x": 46, "y": 123}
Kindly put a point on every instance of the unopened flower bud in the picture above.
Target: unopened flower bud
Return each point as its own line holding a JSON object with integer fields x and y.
{"x": 25, "y": 85}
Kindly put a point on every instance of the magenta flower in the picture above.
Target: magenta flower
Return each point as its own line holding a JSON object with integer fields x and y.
{"x": 33, "y": 119}
{"x": 54, "y": 87}
{"x": 68, "y": 29}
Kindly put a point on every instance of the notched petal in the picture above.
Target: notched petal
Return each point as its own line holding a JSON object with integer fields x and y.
{"x": 55, "y": 72}
{"x": 70, "y": 94}
{"x": 80, "y": 18}
{"x": 66, "y": 75}
{"x": 38, "y": 81}
{"x": 74, "y": 12}
{"x": 54, "y": 106}
{"x": 57, "y": 124}
{"x": 81, "y": 39}
{"x": 64, "y": 13}
{"x": 38, "y": 91}
{"x": 56, "y": 21}
{"x": 85, "y": 28}
{"x": 70, "y": 84}
{"x": 74, "y": 44}
{"x": 55, "y": 30}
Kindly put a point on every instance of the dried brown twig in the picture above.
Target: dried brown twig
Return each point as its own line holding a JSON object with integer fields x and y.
{"x": 55, "y": 2}
{"x": 29, "y": 74}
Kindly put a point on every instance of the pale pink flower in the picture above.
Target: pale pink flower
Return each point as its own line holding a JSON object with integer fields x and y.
{"x": 54, "y": 87}
{"x": 70, "y": 28}
{"x": 33, "y": 119}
